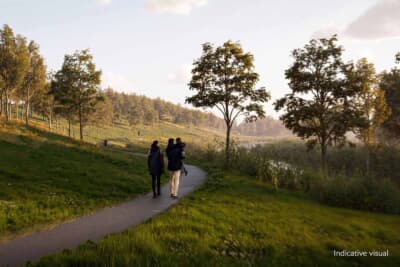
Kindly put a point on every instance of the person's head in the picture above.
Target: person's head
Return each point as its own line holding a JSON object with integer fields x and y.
{"x": 154, "y": 144}
{"x": 171, "y": 141}
{"x": 178, "y": 140}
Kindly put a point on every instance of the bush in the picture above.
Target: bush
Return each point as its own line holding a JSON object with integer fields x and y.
{"x": 359, "y": 193}
{"x": 281, "y": 174}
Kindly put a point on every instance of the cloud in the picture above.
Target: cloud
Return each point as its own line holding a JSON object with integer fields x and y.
{"x": 179, "y": 7}
{"x": 181, "y": 75}
{"x": 117, "y": 81}
{"x": 380, "y": 21}
{"x": 103, "y": 2}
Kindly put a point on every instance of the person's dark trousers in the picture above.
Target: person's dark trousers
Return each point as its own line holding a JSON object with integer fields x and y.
{"x": 156, "y": 179}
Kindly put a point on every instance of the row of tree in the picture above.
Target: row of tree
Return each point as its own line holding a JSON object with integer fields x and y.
{"x": 329, "y": 98}
{"x": 22, "y": 71}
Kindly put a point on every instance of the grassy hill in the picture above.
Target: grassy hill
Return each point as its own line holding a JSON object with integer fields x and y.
{"x": 235, "y": 220}
{"x": 47, "y": 178}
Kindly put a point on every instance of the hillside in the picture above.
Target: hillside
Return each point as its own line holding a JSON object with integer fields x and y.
{"x": 47, "y": 178}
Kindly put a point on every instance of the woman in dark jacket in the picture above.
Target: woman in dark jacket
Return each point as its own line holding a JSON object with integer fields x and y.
{"x": 155, "y": 162}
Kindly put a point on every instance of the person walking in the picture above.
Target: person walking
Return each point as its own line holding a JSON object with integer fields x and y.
{"x": 175, "y": 156}
{"x": 155, "y": 162}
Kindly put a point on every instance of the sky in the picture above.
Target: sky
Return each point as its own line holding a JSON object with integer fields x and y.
{"x": 148, "y": 46}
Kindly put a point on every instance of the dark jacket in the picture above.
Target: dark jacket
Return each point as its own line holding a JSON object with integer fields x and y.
{"x": 155, "y": 161}
{"x": 169, "y": 148}
{"x": 175, "y": 156}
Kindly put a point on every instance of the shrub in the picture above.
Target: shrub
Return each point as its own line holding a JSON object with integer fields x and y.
{"x": 359, "y": 193}
{"x": 281, "y": 174}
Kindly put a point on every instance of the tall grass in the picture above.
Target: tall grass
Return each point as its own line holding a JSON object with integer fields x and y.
{"x": 289, "y": 165}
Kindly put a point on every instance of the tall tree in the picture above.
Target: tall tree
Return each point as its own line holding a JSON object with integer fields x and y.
{"x": 318, "y": 109}
{"x": 390, "y": 84}
{"x": 76, "y": 86}
{"x": 35, "y": 78}
{"x": 14, "y": 63}
{"x": 370, "y": 100}
{"x": 44, "y": 103}
{"x": 224, "y": 78}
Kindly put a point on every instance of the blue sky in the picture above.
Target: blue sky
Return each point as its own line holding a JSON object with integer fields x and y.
{"x": 148, "y": 46}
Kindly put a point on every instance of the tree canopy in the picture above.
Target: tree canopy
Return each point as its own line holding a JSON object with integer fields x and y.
{"x": 319, "y": 107}
{"x": 224, "y": 78}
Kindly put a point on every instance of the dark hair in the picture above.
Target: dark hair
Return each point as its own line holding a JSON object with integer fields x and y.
{"x": 155, "y": 143}
{"x": 178, "y": 140}
{"x": 171, "y": 141}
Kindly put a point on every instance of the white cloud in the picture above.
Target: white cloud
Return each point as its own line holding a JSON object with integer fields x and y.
{"x": 180, "y": 7}
{"x": 117, "y": 81}
{"x": 103, "y": 2}
{"x": 181, "y": 75}
{"x": 380, "y": 21}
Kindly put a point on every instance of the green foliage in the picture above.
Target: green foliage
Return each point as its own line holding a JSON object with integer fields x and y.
{"x": 14, "y": 63}
{"x": 390, "y": 84}
{"x": 244, "y": 224}
{"x": 281, "y": 174}
{"x": 34, "y": 82}
{"x": 224, "y": 78}
{"x": 138, "y": 110}
{"x": 75, "y": 86}
{"x": 319, "y": 108}
{"x": 359, "y": 193}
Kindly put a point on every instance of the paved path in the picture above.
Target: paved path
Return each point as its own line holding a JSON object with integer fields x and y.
{"x": 18, "y": 251}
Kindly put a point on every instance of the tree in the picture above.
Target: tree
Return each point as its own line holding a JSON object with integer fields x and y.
{"x": 370, "y": 100}
{"x": 76, "y": 86}
{"x": 390, "y": 84}
{"x": 14, "y": 62}
{"x": 224, "y": 78}
{"x": 35, "y": 78}
{"x": 319, "y": 107}
{"x": 44, "y": 103}
{"x": 103, "y": 114}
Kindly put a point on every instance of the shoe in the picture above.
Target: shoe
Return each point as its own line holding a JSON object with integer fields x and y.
{"x": 175, "y": 197}
{"x": 159, "y": 194}
{"x": 172, "y": 195}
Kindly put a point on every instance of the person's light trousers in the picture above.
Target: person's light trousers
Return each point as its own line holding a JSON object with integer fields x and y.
{"x": 174, "y": 182}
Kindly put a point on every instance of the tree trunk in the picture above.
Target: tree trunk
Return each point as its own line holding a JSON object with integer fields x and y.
{"x": 1, "y": 102}
{"x": 368, "y": 160}
{"x": 227, "y": 144}
{"x": 50, "y": 121}
{"x": 7, "y": 107}
{"x": 27, "y": 109}
{"x": 323, "y": 159}
{"x": 80, "y": 124}
{"x": 69, "y": 127}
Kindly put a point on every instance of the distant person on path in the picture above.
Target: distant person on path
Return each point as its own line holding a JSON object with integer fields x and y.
{"x": 155, "y": 162}
{"x": 175, "y": 156}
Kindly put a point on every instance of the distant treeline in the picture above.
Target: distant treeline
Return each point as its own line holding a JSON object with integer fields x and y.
{"x": 138, "y": 109}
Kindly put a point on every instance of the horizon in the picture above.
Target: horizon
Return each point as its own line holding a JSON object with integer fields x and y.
{"x": 127, "y": 39}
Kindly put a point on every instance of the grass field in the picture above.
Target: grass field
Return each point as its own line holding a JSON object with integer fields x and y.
{"x": 46, "y": 178}
{"x": 237, "y": 221}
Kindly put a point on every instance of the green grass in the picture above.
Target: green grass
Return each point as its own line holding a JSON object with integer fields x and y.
{"x": 237, "y": 221}
{"x": 46, "y": 179}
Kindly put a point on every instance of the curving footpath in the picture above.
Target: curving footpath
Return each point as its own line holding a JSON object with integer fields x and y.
{"x": 20, "y": 250}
